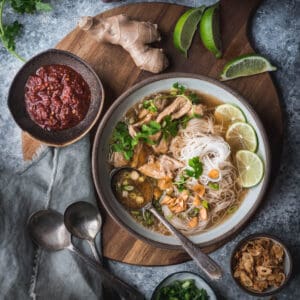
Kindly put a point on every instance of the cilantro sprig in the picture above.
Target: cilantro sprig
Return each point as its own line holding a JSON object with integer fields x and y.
{"x": 122, "y": 141}
{"x": 169, "y": 127}
{"x": 147, "y": 130}
{"x": 149, "y": 105}
{"x": 196, "y": 167}
{"x": 182, "y": 91}
{"x": 9, "y": 32}
{"x": 195, "y": 170}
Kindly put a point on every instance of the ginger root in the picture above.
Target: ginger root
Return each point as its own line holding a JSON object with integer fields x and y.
{"x": 132, "y": 35}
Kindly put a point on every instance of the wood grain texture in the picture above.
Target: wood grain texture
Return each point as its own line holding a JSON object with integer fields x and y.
{"x": 118, "y": 72}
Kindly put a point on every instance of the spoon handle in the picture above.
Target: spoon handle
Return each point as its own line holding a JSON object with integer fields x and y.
{"x": 97, "y": 256}
{"x": 211, "y": 268}
{"x": 125, "y": 290}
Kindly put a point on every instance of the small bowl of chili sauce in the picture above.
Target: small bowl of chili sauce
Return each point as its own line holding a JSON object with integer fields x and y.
{"x": 56, "y": 97}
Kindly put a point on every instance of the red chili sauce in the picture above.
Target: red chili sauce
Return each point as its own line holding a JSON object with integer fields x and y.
{"x": 57, "y": 97}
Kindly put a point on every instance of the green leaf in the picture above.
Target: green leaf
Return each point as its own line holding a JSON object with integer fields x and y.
{"x": 41, "y": 6}
{"x": 169, "y": 127}
{"x": 194, "y": 98}
{"x": 149, "y": 105}
{"x": 29, "y": 6}
{"x": 122, "y": 141}
{"x": 205, "y": 204}
{"x": 181, "y": 182}
{"x": 214, "y": 186}
{"x": 10, "y": 32}
{"x": 196, "y": 167}
{"x": 194, "y": 212}
{"x": 179, "y": 87}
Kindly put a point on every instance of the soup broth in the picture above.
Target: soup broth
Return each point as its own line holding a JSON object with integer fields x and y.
{"x": 172, "y": 139}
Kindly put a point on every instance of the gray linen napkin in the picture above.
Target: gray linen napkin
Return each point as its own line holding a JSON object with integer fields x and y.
{"x": 56, "y": 178}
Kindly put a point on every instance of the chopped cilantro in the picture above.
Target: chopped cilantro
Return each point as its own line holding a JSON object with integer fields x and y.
{"x": 181, "y": 182}
{"x": 149, "y": 105}
{"x": 146, "y": 131}
{"x": 205, "y": 204}
{"x": 196, "y": 167}
{"x": 194, "y": 212}
{"x": 122, "y": 141}
{"x": 169, "y": 127}
{"x": 214, "y": 186}
{"x": 179, "y": 87}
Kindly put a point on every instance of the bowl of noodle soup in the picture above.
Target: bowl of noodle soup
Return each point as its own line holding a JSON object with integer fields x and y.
{"x": 164, "y": 127}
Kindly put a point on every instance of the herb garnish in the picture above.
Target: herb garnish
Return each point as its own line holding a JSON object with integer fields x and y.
{"x": 8, "y": 33}
{"x": 122, "y": 141}
{"x": 149, "y": 105}
{"x": 169, "y": 127}
{"x": 181, "y": 182}
{"x": 214, "y": 186}
{"x": 205, "y": 204}
{"x": 181, "y": 91}
{"x": 147, "y": 130}
{"x": 196, "y": 167}
{"x": 194, "y": 212}
{"x": 179, "y": 87}
{"x": 195, "y": 171}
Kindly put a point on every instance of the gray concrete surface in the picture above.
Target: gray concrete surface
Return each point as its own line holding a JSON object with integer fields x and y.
{"x": 275, "y": 33}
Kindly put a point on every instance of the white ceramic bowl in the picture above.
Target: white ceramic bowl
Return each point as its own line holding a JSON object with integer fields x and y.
{"x": 101, "y": 168}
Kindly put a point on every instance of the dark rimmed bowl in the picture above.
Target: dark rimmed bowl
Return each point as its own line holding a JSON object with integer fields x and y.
{"x": 184, "y": 275}
{"x": 288, "y": 264}
{"x": 101, "y": 169}
{"x": 16, "y": 102}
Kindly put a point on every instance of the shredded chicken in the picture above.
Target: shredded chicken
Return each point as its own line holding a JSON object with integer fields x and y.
{"x": 118, "y": 160}
{"x": 163, "y": 167}
{"x": 162, "y": 147}
{"x": 179, "y": 107}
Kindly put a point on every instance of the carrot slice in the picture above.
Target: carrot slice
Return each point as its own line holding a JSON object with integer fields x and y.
{"x": 199, "y": 189}
{"x": 193, "y": 222}
{"x": 214, "y": 174}
{"x": 196, "y": 201}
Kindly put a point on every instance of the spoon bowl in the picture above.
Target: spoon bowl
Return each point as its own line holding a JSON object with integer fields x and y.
{"x": 83, "y": 220}
{"x": 47, "y": 230}
{"x": 144, "y": 188}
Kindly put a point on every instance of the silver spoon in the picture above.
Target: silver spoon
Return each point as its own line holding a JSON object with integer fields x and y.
{"x": 210, "y": 267}
{"x": 47, "y": 230}
{"x": 84, "y": 221}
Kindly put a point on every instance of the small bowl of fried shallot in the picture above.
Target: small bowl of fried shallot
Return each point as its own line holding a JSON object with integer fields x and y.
{"x": 261, "y": 264}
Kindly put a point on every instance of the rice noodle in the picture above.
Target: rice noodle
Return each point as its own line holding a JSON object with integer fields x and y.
{"x": 201, "y": 138}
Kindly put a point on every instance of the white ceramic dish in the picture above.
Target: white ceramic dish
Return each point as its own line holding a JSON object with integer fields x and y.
{"x": 101, "y": 169}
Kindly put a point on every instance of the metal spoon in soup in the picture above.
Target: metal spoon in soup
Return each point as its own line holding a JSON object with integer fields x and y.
{"x": 135, "y": 191}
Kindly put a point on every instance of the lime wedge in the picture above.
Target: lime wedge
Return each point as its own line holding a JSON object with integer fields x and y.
{"x": 241, "y": 136}
{"x": 226, "y": 114}
{"x": 250, "y": 167}
{"x": 210, "y": 30}
{"x": 246, "y": 65}
{"x": 185, "y": 29}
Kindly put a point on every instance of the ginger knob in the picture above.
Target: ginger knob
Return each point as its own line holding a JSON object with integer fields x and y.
{"x": 133, "y": 36}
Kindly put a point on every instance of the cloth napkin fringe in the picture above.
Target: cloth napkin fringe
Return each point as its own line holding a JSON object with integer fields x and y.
{"x": 38, "y": 251}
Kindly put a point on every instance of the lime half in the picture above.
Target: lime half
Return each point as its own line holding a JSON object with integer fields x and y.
{"x": 250, "y": 167}
{"x": 210, "y": 30}
{"x": 242, "y": 136}
{"x": 226, "y": 114}
{"x": 246, "y": 65}
{"x": 185, "y": 28}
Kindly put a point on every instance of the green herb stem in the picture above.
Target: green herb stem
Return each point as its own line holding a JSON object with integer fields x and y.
{"x": 1, "y": 13}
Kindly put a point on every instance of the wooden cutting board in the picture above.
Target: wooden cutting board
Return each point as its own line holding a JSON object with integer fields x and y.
{"x": 118, "y": 72}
